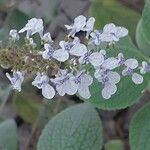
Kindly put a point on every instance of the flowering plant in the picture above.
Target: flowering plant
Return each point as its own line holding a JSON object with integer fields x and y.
{"x": 102, "y": 67}
{"x": 71, "y": 61}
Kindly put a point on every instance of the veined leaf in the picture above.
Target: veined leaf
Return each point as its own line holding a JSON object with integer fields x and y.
{"x": 139, "y": 131}
{"x": 76, "y": 128}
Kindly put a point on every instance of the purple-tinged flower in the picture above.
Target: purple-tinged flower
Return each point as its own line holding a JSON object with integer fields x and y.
{"x": 64, "y": 83}
{"x": 83, "y": 82}
{"x": 41, "y": 81}
{"x": 33, "y": 26}
{"x": 131, "y": 64}
{"x": 16, "y": 80}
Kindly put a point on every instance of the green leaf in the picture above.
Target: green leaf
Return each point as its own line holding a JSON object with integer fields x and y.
{"x": 50, "y": 109}
{"x": 16, "y": 19}
{"x": 26, "y": 107}
{"x": 76, "y": 128}
{"x": 8, "y": 135}
{"x": 143, "y": 32}
{"x": 114, "y": 145}
{"x": 139, "y": 131}
{"x": 146, "y": 19}
{"x": 127, "y": 93}
{"x": 141, "y": 39}
{"x": 107, "y": 11}
{"x": 4, "y": 91}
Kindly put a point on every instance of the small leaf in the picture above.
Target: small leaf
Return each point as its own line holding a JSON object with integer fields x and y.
{"x": 8, "y": 135}
{"x": 76, "y": 128}
{"x": 114, "y": 145}
{"x": 127, "y": 93}
{"x": 26, "y": 107}
{"x": 139, "y": 131}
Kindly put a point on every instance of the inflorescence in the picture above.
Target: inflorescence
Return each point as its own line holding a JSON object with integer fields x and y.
{"x": 65, "y": 69}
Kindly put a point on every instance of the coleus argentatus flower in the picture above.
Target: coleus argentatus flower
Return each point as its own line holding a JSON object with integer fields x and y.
{"x": 75, "y": 56}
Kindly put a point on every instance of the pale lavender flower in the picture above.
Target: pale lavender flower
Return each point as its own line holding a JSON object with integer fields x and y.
{"x": 79, "y": 24}
{"x": 96, "y": 37}
{"x": 131, "y": 64}
{"x": 112, "y": 33}
{"x": 33, "y": 26}
{"x": 83, "y": 81}
{"x": 95, "y": 58}
{"x": 16, "y": 80}
{"x": 60, "y": 55}
{"x": 89, "y": 26}
{"x": 47, "y": 38}
{"x": 110, "y": 63}
{"x": 109, "y": 79}
{"x": 64, "y": 83}
{"x": 73, "y": 48}
{"x": 121, "y": 59}
{"x": 144, "y": 68}
{"x": 41, "y": 81}
{"x": 14, "y": 35}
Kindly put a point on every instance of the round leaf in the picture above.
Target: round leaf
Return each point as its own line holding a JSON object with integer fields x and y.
{"x": 8, "y": 135}
{"x": 76, "y": 128}
{"x": 139, "y": 131}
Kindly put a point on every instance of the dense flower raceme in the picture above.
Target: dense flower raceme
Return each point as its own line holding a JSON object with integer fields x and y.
{"x": 75, "y": 58}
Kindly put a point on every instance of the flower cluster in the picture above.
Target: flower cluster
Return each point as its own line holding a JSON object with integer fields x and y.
{"x": 72, "y": 59}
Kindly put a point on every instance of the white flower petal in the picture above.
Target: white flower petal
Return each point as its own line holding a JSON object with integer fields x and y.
{"x": 45, "y": 55}
{"x": 90, "y": 24}
{"x": 60, "y": 89}
{"x": 16, "y": 80}
{"x": 79, "y": 22}
{"x": 84, "y": 92}
{"x": 68, "y": 27}
{"x": 144, "y": 68}
{"x": 33, "y": 26}
{"x": 110, "y": 63}
{"x": 121, "y": 32}
{"x": 137, "y": 78}
{"x": 96, "y": 59}
{"x": 109, "y": 90}
{"x": 78, "y": 50}
{"x": 70, "y": 87}
{"x": 61, "y": 55}
{"x": 47, "y": 38}
{"x": 106, "y": 93}
{"x": 124, "y": 72}
{"x": 131, "y": 63}
{"x": 114, "y": 77}
{"x": 109, "y": 28}
{"x": 48, "y": 91}
{"x": 86, "y": 79}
